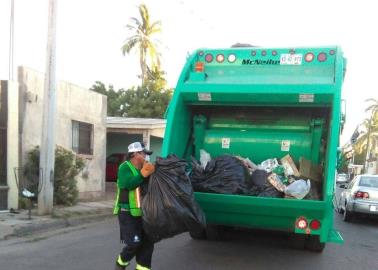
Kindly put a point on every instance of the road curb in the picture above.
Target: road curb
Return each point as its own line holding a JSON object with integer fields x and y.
{"x": 56, "y": 223}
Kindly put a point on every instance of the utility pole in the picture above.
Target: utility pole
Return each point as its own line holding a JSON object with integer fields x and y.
{"x": 11, "y": 42}
{"x": 47, "y": 150}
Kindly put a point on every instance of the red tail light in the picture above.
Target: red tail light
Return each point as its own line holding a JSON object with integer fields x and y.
{"x": 322, "y": 57}
{"x": 315, "y": 224}
{"x": 209, "y": 58}
{"x": 361, "y": 195}
{"x": 301, "y": 223}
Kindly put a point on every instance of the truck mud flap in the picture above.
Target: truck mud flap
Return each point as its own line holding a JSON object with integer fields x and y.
{"x": 335, "y": 237}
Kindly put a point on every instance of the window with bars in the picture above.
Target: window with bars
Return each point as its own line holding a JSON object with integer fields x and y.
{"x": 82, "y": 138}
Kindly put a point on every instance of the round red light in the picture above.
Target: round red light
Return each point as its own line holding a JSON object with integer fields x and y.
{"x": 220, "y": 58}
{"x": 301, "y": 223}
{"x": 315, "y": 224}
{"x": 309, "y": 57}
{"x": 274, "y": 53}
{"x": 332, "y": 52}
{"x": 209, "y": 58}
{"x": 322, "y": 57}
{"x": 263, "y": 53}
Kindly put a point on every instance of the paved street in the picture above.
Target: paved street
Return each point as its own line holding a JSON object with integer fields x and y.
{"x": 95, "y": 246}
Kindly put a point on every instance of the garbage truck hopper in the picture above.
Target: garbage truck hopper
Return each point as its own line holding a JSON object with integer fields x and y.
{"x": 260, "y": 103}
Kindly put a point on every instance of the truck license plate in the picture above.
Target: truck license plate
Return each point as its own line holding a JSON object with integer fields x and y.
{"x": 291, "y": 59}
{"x": 373, "y": 208}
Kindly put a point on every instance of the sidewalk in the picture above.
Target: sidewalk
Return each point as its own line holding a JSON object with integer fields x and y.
{"x": 12, "y": 224}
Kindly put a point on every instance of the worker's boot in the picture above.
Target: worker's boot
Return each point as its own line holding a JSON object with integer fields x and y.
{"x": 140, "y": 267}
{"x": 120, "y": 264}
{"x": 119, "y": 267}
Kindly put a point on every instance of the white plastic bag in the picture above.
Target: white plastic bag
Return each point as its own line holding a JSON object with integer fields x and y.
{"x": 204, "y": 158}
{"x": 298, "y": 189}
{"x": 268, "y": 165}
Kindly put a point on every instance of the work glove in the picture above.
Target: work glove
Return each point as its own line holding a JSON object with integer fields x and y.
{"x": 147, "y": 169}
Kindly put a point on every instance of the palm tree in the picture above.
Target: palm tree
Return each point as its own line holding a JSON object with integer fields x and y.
{"x": 372, "y": 128}
{"x": 141, "y": 36}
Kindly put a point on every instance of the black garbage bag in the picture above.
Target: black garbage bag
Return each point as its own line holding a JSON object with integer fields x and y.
{"x": 258, "y": 179}
{"x": 270, "y": 191}
{"x": 169, "y": 207}
{"x": 224, "y": 174}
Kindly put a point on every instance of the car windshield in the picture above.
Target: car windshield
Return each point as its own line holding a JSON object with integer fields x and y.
{"x": 369, "y": 181}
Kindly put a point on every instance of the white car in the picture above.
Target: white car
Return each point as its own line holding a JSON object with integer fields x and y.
{"x": 342, "y": 178}
{"x": 359, "y": 196}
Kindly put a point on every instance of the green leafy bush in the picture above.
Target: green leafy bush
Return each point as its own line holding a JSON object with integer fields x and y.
{"x": 67, "y": 166}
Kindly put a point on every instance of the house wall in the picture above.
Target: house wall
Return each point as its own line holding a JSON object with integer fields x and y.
{"x": 8, "y": 144}
{"x": 72, "y": 103}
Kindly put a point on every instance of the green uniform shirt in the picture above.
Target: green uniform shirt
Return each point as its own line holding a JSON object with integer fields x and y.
{"x": 127, "y": 180}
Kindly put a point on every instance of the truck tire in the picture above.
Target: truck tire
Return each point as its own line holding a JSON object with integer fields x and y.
{"x": 198, "y": 235}
{"x": 313, "y": 243}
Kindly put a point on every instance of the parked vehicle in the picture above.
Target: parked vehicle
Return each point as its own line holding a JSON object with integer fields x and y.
{"x": 112, "y": 163}
{"x": 342, "y": 178}
{"x": 359, "y": 197}
{"x": 261, "y": 103}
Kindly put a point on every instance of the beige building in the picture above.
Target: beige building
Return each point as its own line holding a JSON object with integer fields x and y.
{"x": 9, "y": 144}
{"x": 80, "y": 126}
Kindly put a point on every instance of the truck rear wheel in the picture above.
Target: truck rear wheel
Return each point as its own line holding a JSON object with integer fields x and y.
{"x": 313, "y": 243}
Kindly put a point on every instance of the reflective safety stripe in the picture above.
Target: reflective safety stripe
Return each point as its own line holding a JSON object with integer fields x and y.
{"x": 137, "y": 193}
{"x": 116, "y": 207}
{"x": 121, "y": 262}
{"x": 134, "y": 195}
{"x": 139, "y": 267}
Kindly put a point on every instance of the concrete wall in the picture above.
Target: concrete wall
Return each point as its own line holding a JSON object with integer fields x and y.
{"x": 73, "y": 103}
{"x": 10, "y": 153}
{"x": 372, "y": 167}
{"x": 118, "y": 142}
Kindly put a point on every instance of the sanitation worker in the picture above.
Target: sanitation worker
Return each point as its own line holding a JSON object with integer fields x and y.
{"x": 131, "y": 175}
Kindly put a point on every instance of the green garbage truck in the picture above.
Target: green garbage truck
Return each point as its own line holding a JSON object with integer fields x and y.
{"x": 260, "y": 103}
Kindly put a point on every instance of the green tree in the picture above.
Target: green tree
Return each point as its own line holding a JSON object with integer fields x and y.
{"x": 149, "y": 100}
{"x": 372, "y": 128}
{"x": 142, "y": 33}
{"x": 369, "y": 139}
{"x": 114, "y": 101}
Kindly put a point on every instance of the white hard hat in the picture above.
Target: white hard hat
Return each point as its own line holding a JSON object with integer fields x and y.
{"x": 138, "y": 147}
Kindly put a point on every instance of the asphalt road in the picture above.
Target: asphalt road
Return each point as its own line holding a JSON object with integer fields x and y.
{"x": 95, "y": 247}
